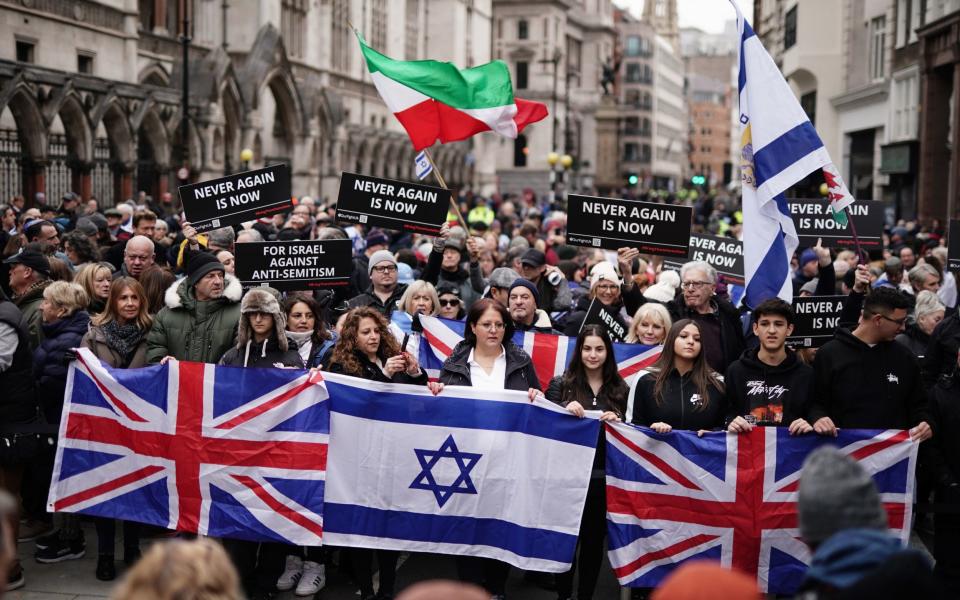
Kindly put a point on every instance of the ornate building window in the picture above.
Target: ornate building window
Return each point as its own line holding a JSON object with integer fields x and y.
{"x": 341, "y": 42}
{"x": 293, "y": 26}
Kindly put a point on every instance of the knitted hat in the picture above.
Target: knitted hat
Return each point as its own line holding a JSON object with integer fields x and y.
{"x": 665, "y": 289}
{"x": 808, "y": 255}
{"x": 836, "y": 493}
{"x": 376, "y": 238}
{"x": 259, "y": 300}
{"x": 810, "y": 287}
{"x": 199, "y": 264}
{"x": 380, "y": 256}
{"x": 603, "y": 271}
{"x": 521, "y": 282}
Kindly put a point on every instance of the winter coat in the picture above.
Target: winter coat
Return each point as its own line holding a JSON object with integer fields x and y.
{"x": 29, "y": 305}
{"x": 18, "y": 402}
{"x": 372, "y": 372}
{"x": 678, "y": 408}
{"x": 267, "y": 354}
{"x": 554, "y": 298}
{"x": 50, "y": 360}
{"x": 188, "y": 329}
{"x": 96, "y": 340}
{"x": 317, "y": 351}
{"x": 731, "y": 328}
{"x": 914, "y": 340}
{"x": 941, "y": 355}
{"x": 941, "y": 455}
{"x": 520, "y": 374}
{"x": 752, "y": 386}
{"x": 541, "y": 323}
{"x": 554, "y": 394}
{"x": 576, "y": 318}
{"x": 860, "y": 387}
{"x": 469, "y": 283}
{"x": 369, "y": 298}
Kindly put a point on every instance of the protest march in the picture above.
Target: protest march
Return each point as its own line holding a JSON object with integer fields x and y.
{"x": 757, "y": 391}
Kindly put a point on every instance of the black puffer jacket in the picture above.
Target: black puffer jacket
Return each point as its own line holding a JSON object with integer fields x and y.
{"x": 915, "y": 340}
{"x": 263, "y": 355}
{"x": 681, "y": 404}
{"x": 372, "y": 372}
{"x": 758, "y": 388}
{"x": 50, "y": 361}
{"x": 942, "y": 453}
{"x": 18, "y": 402}
{"x": 941, "y": 355}
{"x": 520, "y": 374}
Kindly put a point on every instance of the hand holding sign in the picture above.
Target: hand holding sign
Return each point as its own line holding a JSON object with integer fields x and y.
{"x": 625, "y": 258}
{"x": 191, "y": 234}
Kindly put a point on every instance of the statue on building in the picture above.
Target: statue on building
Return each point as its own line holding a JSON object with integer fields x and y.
{"x": 610, "y": 68}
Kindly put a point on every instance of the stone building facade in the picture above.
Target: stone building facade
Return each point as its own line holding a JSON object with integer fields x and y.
{"x": 91, "y": 92}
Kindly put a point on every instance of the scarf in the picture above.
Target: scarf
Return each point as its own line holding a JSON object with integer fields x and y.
{"x": 123, "y": 339}
{"x": 304, "y": 340}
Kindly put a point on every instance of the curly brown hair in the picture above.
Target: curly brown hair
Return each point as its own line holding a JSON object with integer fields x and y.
{"x": 345, "y": 351}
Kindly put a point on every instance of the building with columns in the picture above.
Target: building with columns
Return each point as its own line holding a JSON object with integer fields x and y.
{"x": 91, "y": 91}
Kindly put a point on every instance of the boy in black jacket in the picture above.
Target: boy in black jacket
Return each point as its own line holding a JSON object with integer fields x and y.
{"x": 865, "y": 380}
{"x": 770, "y": 382}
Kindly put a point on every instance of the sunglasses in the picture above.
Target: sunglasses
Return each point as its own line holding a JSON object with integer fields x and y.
{"x": 448, "y": 302}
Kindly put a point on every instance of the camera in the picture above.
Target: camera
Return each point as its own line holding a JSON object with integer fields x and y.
{"x": 554, "y": 278}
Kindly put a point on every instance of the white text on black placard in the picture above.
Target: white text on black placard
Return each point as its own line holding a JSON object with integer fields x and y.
{"x": 237, "y": 198}
{"x": 612, "y": 223}
{"x": 606, "y": 317}
{"x": 390, "y": 204}
{"x": 953, "y": 246}
{"x": 723, "y": 253}
{"x": 813, "y": 219}
{"x": 295, "y": 265}
{"x": 816, "y": 318}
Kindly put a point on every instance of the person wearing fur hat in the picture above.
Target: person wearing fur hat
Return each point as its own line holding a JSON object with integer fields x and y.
{"x": 200, "y": 316}
{"x": 261, "y": 338}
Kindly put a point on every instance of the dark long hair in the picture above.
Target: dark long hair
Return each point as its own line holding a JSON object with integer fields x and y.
{"x": 703, "y": 377}
{"x": 321, "y": 331}
{"x": 476, "y": 311}
{"x": 345, "y": 351}
{"x": 613, "y": 391}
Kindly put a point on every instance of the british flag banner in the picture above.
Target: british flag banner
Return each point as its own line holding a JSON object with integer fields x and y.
{"x": 219, "y": 451}
{"x": 550, "y": 353}
{"x": 731, "y": 498}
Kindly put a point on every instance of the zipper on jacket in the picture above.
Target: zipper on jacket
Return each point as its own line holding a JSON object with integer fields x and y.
{"x": 682, "y": 402}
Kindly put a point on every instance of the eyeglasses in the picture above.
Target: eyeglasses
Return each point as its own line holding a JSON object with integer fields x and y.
{"x": 607, "y": 288}
{"x": 449, "y": 302}
{"x": 692, "y": 285}
{"x": 899, "y": 322}
{"x": 385, "y": 269}
{"x": 491, "y": 326}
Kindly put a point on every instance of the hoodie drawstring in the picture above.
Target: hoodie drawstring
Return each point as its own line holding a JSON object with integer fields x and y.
{"x": 246, "y": 355}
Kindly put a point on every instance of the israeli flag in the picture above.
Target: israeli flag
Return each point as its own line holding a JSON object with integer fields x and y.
{"x": 469, "y": 472}
{"x": 424, "y": 166}
{"x": 778, "y": 148}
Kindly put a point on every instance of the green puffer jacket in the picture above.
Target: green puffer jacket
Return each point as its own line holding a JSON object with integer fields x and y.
{"x": 190, "y": 330}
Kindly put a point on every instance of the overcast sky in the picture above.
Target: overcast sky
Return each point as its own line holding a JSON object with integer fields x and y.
{"x": 708, "y": 15}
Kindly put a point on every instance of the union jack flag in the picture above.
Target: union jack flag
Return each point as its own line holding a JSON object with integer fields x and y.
{"x": 550, "y": 353}
{"x": 219, "y": 451}
{"x": 731, "y": 498}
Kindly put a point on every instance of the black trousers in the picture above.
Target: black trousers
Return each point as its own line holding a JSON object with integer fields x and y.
{"x": 259, "y": 564}
{"x": 107, "y": 532}
{"x": 589, "y": 555}
{"x": 487, "y": 573}
{"x": 361, "y": 563}
{"x": 946, "y": 546}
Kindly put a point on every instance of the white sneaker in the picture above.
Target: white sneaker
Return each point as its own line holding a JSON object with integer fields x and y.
{"x": 291, "y": 574}
{"x": 313, "y": 580}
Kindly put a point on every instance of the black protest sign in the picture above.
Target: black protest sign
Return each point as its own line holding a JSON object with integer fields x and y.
{"x": 601, "y": 314}
{"x": 953, "y": 246}
{"x": 295, "y": 265}
{"x": 612, "y": 223}
{"x": 390, "y": 204}
{"x": 813, "y": 219}
{"x": 723, "y": 253}
{"x": 237, "y": 198}
{"x": 816, "y": 318}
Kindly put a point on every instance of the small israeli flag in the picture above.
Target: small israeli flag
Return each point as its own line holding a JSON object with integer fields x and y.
{"x": 424, "y": 166}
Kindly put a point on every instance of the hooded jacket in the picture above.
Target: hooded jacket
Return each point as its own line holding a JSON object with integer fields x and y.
{"x": 754, "y": 387}
{"x": 370, "y": 298}
{"x": 679, "y": 406}
{"x": 914, "y": 340}
{"x": 865, "y": 387}
{"x": 50, "y": 362}
{"x": 519, "y": 376}
{"x": 188, "y": 329}
{"x": 278, "y": 350}
{"x": 18, "y": 403}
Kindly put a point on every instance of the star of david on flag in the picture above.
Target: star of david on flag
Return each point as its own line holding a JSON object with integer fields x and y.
{"x": 427, "y": 480}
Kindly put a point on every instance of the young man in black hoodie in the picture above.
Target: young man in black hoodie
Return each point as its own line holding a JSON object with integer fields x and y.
{"x": 770, "y": 382}
{"x": 865, "y": 380}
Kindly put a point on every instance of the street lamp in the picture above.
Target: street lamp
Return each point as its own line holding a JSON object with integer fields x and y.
{"x": 552, "y": 159}
{"x": 246, "y": 155}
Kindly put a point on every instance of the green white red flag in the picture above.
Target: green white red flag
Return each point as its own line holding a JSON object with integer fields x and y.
{"x": 437, "y": 101}
{"x": 837, "y": 193}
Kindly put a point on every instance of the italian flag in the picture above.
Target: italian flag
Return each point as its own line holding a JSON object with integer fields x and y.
{"x": 436, "y": 100}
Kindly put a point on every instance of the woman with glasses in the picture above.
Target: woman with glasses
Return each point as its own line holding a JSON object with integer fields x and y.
{"x": 591, "y": 382}
{"x": 620, "y": 296}
{"x": 680, "y": 390}
{"x": 450, "y": 304}
{"x": 488, "y": 359}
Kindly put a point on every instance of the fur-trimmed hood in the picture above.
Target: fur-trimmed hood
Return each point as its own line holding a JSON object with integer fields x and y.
{"x": 180, "y": 294}
{"x": 258, "y": 300}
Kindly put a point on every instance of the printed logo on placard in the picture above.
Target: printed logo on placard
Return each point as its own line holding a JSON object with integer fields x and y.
{"x": 596, "y": 242}
{"x": 215, "y": 222}
{"x": 363, "y": 218}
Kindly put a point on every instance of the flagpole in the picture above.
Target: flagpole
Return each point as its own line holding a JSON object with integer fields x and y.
{"x": 443, "y": 184}
{"x": 856, "y": 240}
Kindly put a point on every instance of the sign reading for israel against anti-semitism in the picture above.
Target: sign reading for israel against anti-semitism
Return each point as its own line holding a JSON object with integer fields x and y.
{"x": 604, "y": 316}
{"x": 813, "y": 219}
{"x": 296, "y": 265}
{"x": 724, "y": 253}
{"x": 390, "y": 204}
{"x": 612, "y": 223}
{"x": 953, "y": 246}
{"x": 237, "y": 198}
{"x": 816, "y": 318}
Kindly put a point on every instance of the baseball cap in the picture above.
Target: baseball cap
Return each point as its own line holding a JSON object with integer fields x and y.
{"x": 533, "y": 258}
{"x": 31, "y": 258}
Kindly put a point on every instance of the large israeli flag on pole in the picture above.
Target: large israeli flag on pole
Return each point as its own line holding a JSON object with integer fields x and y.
{"x": 778, "y": 148}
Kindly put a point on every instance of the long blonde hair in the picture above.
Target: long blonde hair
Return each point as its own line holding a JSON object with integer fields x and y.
{"x": 144, "y": 320}
{"x": 88, "y": 273}
{"x": 181, "y": 570}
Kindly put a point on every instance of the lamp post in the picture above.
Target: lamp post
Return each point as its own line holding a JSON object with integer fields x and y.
{"x": 552, "y": 159}
{"x": 185, "y": 87}
{"x": 246, "y": 155}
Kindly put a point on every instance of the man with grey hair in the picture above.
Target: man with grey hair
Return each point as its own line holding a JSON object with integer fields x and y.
{"x": 248, "y": 235}
{"x": 892, "y": 274}
{"x": 221, "y": 239}
{"x": 923, "y": 277}
{"x": 137, "y": 256}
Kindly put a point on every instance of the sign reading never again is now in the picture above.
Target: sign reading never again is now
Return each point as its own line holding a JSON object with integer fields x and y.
{"x": 815, "y": 320}
{"x": 390, "y": 204}
{"x": 291, "y": 266}
{"x": 612, "y": 223}
{"x": 813, "y": 219}
{"x": 237, "y": 198}
{"x": 723, "y": 253}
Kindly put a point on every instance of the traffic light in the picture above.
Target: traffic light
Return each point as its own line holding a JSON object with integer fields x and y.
{"x": 698, "y": 180}
{"x": 632, "y": 179}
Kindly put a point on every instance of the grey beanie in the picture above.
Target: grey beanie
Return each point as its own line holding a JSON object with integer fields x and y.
{"x": 836, "y": 493}
{"x": 380, "y": 256}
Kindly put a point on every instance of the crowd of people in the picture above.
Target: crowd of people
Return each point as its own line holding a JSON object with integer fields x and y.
{"x": 137, "y": 285}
